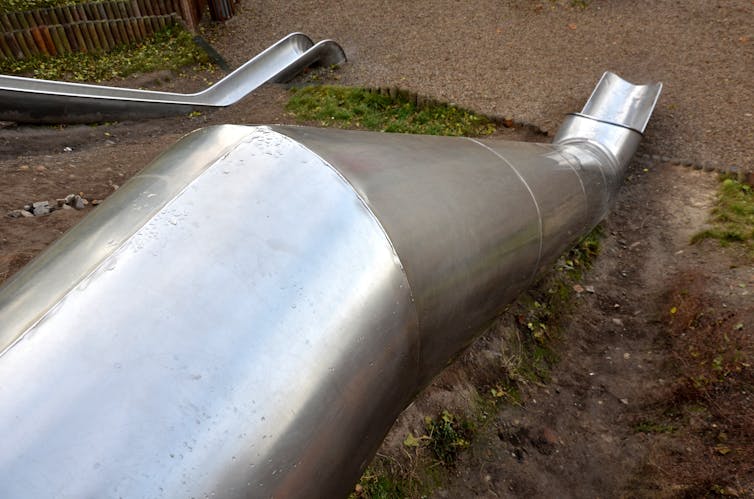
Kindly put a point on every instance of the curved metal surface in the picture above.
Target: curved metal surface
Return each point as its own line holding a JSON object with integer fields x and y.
{"x": 254, "y": 351}
{"x": 264, "y": 348}
{"x": 30, "y": 100}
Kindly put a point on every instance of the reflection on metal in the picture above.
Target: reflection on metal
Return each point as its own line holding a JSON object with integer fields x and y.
{"x": 29, "y": 100}
{"x": 249, "y": 315}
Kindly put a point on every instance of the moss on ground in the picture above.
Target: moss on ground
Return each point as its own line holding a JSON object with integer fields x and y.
{"x": 733, "y": 216}
{"x": 172, "y": 48}
{"x": 348, "y": 107}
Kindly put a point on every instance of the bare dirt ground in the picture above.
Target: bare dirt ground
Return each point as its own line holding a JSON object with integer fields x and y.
{"x": 620, "y": 416}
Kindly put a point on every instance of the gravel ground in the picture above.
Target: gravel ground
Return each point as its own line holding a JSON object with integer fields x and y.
{"x": 537, "y": 60}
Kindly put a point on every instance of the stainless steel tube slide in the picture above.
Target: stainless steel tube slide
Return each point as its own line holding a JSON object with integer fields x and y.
{"x": 29, "y": 100}
{"x": 248, "y": 316}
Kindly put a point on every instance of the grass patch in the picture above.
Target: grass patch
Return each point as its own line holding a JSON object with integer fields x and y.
{"x": 733, "y": 216}
{"x": 540, "y": 309}
{"x": 647, "y": 426}
{"x": 581, "y": 257}
{"x": 436, "y": 450}
{"x": 23, "y": 5}
{"x": 347, "y": 107}
{"x": 707, "y": 404}
{"x": 172, "y": 48}
{"x": 387, "y": 478}
{"x": 447, "y": 436}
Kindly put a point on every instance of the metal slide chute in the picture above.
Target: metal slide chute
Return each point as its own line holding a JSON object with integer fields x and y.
{"x": 28, "y": 100}
{"x": 165, "y": 348}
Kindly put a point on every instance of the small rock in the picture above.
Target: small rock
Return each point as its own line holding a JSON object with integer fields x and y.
{"x": 67, "y": 149}
{"x": 617, "y": 322}
{"x": 550, "y": 436}
{"x": 27, "y": 207}
{"x": 26, "y": 213}
{"x": 67, "y": 207}
{"x": 624, "y": 401}
{"x": 40, "y": 168}
{"x": 78, "y": 202}
{"x": 589, "y": 289}
{"x": 95, "y": 202}
{"x": 578, "y": 288}
{"x": 60, "y": 202}
{"x": 24, "y": 168}
{"x": 109, "y": 143}
{"x": 40, "y": 208}
{"x": 15, "y": 213}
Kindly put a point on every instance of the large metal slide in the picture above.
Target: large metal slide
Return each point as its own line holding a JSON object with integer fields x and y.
{"x": 164, "y": 348}
{"x": 28, "y": 100}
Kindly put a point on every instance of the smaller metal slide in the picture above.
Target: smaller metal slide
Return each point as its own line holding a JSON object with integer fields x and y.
{"x": 28, "y": 100}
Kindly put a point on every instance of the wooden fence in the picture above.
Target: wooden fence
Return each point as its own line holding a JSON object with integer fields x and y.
{"x": 95, "y": 26}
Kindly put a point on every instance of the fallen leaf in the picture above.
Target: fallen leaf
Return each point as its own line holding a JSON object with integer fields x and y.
{"x": 572, "y": 26}
{"x": 411, "y": 441}
{"x": 722, "y": 449}
{"x": 578, "y": 288}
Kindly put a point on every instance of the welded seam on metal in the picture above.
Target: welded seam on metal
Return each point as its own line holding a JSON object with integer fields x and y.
{"x": 607, "y": 122}
{"x": 594, "y": 147}
{"x": 581, "y": 183}
{"x": 365, "y": 204}
{"x": 533, "y": 198}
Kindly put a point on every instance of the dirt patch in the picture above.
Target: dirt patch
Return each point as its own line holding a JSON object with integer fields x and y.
{"x": 617, "y": 417}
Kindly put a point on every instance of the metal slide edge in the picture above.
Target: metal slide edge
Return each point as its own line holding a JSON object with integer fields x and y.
{"x": 28, "y": 100}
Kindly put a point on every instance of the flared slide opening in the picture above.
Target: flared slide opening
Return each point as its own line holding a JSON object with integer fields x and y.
{"x": 619, "y": 102}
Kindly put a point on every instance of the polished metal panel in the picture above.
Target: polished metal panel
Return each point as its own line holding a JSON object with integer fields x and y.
{"x": 42, "y": 101}
{"x": 254, "y": 338}
{"x": 461, "y": 221}
{"x": 248, "y": 316}
{"x": 45, "y": 280}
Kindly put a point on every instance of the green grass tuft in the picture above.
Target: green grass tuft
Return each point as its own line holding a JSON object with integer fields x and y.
{"x": 447, "y": 436}
{"x": 733, "y": 216}
{"x": 172, "y": 48}
{"x": 648, "y": 426}
{"x": 347, "y": 107}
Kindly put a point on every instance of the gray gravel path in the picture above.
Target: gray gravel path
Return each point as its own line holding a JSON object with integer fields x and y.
{"x": 535, "y": 60}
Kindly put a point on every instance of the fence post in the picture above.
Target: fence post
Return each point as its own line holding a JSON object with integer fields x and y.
{"x": 190, "y": 14}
